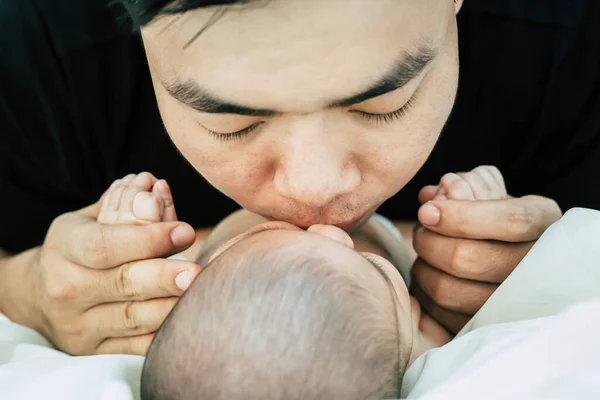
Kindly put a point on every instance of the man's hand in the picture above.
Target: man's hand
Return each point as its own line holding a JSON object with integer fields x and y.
{"x": 470, "y": 238}
{"x": 94, "y": 288}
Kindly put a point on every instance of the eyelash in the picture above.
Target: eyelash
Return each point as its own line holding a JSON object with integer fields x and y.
{"x": 377, "y": 118}
{"x": 389, "y": 117}
{"x": 234, "y": 136}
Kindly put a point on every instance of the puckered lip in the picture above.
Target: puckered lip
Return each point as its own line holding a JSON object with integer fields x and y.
{"x": 348, "y": 226}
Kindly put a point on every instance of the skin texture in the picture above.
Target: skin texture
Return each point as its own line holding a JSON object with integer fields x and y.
{"x": 310, "y": 164}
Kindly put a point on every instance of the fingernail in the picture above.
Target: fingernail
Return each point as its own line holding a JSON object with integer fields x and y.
{"x": 429, "y": 214}
{"x": 182, "y": 236}
{"x": 184, "y": 279}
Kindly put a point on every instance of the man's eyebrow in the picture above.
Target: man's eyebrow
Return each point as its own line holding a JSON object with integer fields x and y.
{"x": 405, "y": 70}
{"x": 196, "y": 97}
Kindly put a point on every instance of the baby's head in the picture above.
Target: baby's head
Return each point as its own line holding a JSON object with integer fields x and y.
{"x": 285, "y": 314}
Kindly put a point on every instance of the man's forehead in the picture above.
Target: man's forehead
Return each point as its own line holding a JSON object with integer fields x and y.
{"x": 284, "y": 58}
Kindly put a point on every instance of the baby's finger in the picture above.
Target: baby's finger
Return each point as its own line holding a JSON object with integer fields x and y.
{"x": 147, "y": 207}
{"x": 144, "y": 181}
{"x": 162, "y": 190}
{"x": 481, "y": 189}
{"x": 441, "y": 194}
{"x": 456, "y": 187}
{"x": 141, "y": 183}
{"x": 494, "y": 179}
{"x": 495, "y": 173}
{"x": 427, "y": 193}
{"x": 115, "y": 194}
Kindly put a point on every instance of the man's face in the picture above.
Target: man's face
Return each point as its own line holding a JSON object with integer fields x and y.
{"x": 307, "y": 111}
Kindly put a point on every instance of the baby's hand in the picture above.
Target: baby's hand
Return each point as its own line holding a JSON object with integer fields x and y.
{"x": 137, "y": 200}
{"x": 482, "y": 183}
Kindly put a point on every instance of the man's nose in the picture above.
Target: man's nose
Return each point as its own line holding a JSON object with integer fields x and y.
{"x": 315, "y": 168}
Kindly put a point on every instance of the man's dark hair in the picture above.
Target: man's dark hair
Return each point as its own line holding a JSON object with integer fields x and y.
{"x": 144, "y": 11}
{"x": 277, "y": 325}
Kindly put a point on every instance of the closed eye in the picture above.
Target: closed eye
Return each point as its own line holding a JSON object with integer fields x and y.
{"x": 231, "y": 136}
{"x": 388, "y": 118}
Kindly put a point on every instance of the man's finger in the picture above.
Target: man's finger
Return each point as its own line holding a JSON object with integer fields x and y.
{"x": 479, "y": 260}
{"x": 136, "y": 345}
{"x": 450, "y": 320}
{"x": 132, "y": 318}
{"x": 453, "y": 294}
{"x": 88, "y": 243}
{"x": 142, "y": 280}
{"x": 510, "y": 220}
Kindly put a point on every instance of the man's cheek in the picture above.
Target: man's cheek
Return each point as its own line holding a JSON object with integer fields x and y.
{"x": 237, "y": 179}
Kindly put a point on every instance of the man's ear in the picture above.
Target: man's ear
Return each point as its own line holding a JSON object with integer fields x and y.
{"x": 457, "y": 5}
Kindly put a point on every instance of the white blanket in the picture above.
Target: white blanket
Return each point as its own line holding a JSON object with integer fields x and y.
{"x": 30, "y": 369}
{"x": 537, "y": 337}
{"x": 546, "y": 355}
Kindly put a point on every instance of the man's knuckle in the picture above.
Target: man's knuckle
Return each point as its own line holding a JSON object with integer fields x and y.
{"x": 59, "y": 290}
{"x": 124, "y": 282}
{"x": 463, "y": 257}
{"x": 439, "y": 291}
{"x": 520, "y": 220}
{"x": 130, "y": 320}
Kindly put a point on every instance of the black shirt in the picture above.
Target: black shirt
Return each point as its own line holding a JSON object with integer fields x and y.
{"x": 77, "y": 111}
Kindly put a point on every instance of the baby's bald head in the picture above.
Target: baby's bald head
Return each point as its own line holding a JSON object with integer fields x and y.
{"x": 280, "y": 315}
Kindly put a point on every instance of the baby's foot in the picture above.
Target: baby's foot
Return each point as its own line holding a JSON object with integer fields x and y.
{"x": 482, "y": 183}
{"x": 137, "y": 199}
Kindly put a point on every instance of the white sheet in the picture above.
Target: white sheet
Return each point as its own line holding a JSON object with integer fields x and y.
{"x": 30, "y": 369}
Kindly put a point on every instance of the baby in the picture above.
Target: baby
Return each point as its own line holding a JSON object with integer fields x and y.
{"x": 283, "y": 313}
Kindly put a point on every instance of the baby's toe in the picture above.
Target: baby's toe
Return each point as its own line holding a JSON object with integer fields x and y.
{"x": 144, "y": 181}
